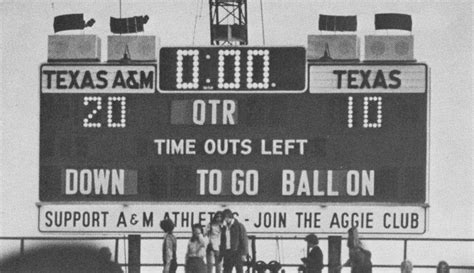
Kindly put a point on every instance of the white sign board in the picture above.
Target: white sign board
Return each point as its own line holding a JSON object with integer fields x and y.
{"x": 368, "y": 78}
{"x": 99, "y": 78}
{"x": 288, "y": 219}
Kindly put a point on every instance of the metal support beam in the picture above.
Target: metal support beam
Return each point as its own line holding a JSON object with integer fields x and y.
{"x": 134, "y": 253}
{"x": 334, "y": 253}
{"x": 228, "y": 22}
{"x": 116, "y": 250}
{"x": 405, "y": 246}
{"x": 254, "y": 252}
{"x": 22, "y": 247}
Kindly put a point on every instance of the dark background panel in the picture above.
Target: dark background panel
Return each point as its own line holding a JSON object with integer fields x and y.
{"x": 397, "y": 150}
{"x": 287, "y": 68}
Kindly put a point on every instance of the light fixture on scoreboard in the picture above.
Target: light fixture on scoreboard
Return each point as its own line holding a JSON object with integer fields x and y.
{"x": 230, "y": 33}
{"x": 332, "y": 47}
{"x": 136, "y": 48}
{"x": 73, "y": 48}
{"x": 390, "y": 47}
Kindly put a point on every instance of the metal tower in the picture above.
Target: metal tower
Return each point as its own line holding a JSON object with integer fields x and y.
{"x": 228, "y": 22}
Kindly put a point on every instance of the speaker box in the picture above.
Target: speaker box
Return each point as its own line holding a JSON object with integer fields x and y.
{"x": 138, "y": 48}
{"x": 73, "y": 48}
{"x": 340, "y": 47}
{"x": 227, "y": 1}
{"x": 389, "y": 48}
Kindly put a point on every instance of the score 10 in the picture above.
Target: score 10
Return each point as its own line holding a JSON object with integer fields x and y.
{"x": 227, "y": 182}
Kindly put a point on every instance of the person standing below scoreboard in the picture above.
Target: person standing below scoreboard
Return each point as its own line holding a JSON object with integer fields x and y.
{"x": 359, "y": 257}
{"x": 170, "y": 263}
{"x": 234, "y": 243}
{"x": 213, "y": 231}
{"x": 196, "y": 251}
{"x": 314, "y": 261}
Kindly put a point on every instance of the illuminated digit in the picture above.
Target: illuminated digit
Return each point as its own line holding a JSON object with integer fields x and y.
{"x": 350, "y": 112}
{"x": 368, "y": 124}
{"x": 265, "y": 54}
{"x": 181, "y": 54}
{"x": 123, "y": 111}
{"x": 221, "y": 84}
{"x": 98, "y": 107}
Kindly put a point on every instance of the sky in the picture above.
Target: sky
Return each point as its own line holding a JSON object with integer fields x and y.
{"x": 443, "y": 40}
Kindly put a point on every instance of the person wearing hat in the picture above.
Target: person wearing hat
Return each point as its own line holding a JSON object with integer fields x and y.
{"x": 314, "y": 261}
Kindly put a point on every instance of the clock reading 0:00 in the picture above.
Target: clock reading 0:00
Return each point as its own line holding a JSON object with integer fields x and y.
{"x": 222, "y": 84}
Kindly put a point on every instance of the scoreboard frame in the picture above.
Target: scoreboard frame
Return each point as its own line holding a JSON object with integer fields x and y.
{"x": 189, "y": 204}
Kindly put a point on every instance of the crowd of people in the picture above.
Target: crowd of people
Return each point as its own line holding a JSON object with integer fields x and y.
{"x": 407, "y": 267}
{"x": 222, "y": 244}
{"x": 359, "y": 257}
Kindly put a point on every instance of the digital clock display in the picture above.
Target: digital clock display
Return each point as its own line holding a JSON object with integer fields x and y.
{"x": 358, "y": 134}
{"x": 232, "y": 69}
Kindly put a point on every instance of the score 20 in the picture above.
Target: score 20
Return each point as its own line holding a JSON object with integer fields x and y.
{"x": 227, "y": 182}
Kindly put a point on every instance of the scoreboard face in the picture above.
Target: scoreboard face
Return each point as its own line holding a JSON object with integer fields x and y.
{"x": 163, "y": 133}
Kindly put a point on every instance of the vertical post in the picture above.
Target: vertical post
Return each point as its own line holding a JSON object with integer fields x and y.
{"x": 116, "y": 250}
{"x": 134, "y": 253}
{"x": 334, "y": 253}
{"x": 254, "y": 253}
{"x": 211, "y": 20}
{"x": 405, "y": 246}
{"x": 22, "y": 246}
{"x": 246, "y": 25}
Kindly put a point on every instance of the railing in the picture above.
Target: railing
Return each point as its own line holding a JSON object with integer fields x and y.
{"x": 254, "y": 252}
{"x": 405, "y": 242}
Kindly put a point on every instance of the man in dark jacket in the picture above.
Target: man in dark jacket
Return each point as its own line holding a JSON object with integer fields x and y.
{"x": 314, "y": 261}
{"x": 234, "y": 243}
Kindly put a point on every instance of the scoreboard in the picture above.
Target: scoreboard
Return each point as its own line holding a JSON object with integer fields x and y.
{"x": 236, "y": 124}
